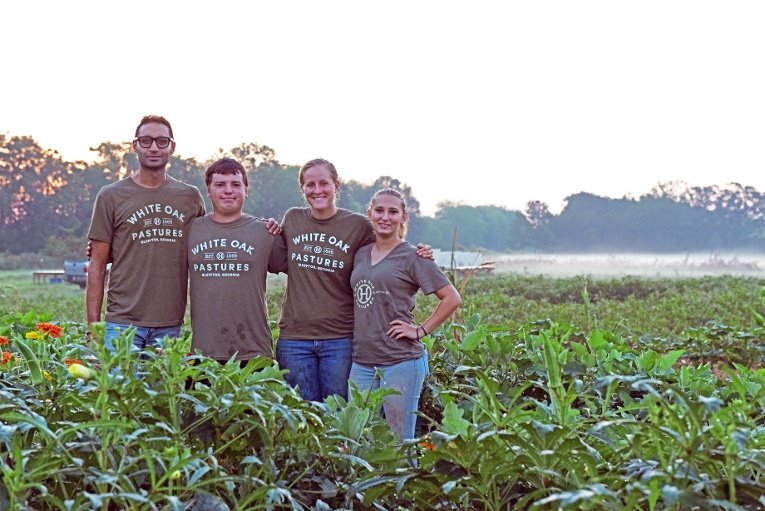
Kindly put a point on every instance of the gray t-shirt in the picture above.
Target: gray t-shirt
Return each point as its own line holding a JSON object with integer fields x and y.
{"x": 147, "y": 229}
{"x": 318, "y": 301}
{"x": 384, "y": 292}
{"x": 228, "y": 264}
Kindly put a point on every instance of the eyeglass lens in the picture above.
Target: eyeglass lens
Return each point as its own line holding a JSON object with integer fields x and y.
{"x": 146, "y": 142}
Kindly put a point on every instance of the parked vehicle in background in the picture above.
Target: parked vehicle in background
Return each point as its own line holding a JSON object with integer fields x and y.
{"x": 76, "y": 272}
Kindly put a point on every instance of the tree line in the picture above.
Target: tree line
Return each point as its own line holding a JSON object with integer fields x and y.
{"x": 46, "y": 204}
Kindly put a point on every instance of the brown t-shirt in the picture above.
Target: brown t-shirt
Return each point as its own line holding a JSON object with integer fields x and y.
{"x": 228, "y": 263}
{"x": 147, "y": 229}
{"x": 318, "y": 301}
{"x": 384, "y": 292}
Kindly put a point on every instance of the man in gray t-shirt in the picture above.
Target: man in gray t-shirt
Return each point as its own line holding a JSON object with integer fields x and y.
{"x": 229, "y": 255}
{"x": 140, "y": 224}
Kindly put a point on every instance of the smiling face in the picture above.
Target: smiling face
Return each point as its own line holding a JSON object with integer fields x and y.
{"x": 388, "y": 216}
{"x": 227, "y": 193}
{"x": 153, "y": 157}
{"x": 320, "y": 189}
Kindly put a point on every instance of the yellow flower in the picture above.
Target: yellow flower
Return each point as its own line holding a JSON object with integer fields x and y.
{"x": 47, "y": 376}
{"x": 80, "y": 371}
{"x": 32, "y": 335}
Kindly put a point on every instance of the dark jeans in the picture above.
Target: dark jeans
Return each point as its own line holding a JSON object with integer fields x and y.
{"x": 143, "y": 338}
{"x": 317, "y": 368}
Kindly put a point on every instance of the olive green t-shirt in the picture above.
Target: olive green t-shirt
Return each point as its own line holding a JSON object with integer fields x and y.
{"x": 228, "y": 263}
{"x": 147, "y": 229}
{"x": 318, "y": 301}
{"x": 384, "y": 292}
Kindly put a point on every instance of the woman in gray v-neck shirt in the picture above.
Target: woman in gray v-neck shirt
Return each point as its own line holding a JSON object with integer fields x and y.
{"x": 387, "y": 351}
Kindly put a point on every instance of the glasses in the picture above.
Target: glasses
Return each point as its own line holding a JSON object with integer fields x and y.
{"x": 145, "y": 142}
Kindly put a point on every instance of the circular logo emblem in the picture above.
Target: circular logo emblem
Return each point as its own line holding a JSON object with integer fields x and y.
{"x": 317, "y": 249}
{"x": 219, "y": 256}
{"x": 364, "y": 294}
{"x": 157, "y": 221}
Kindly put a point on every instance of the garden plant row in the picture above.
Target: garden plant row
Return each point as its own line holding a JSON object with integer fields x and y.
{"x": 545, "y": 415}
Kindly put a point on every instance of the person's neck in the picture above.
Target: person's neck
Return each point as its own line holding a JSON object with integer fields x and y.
{"x": 323, "y": 214}
{"x": 222, "y": 218}
{"x": 150, "y": 178}
{"x": 387, "y": 243}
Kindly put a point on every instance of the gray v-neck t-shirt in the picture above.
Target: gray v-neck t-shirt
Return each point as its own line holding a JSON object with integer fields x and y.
{"x": 384, "y": 292}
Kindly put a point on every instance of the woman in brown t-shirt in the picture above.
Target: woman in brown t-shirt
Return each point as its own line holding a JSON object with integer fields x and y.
{"x": 316, "y": 327}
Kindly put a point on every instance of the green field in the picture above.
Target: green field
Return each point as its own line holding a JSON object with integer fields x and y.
{"x": 635, "y": 307}
{"x": 544, "y": 394}
{"x": 18, "y": 293}
{"x": 650, "y": 312}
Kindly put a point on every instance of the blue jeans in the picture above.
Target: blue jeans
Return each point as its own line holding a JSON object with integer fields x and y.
{"x": 317, "y": 368}
{"x": 144, "y": 336}
{"x": 407, "y": 377}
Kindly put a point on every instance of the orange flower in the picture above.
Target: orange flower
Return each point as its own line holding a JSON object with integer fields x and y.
{"x": 7, "y": 355}
{"x": 427, "y": 445}
{"x": 50, "y": 329}
{"x": 69, "y": 361}
{"x": 3, "y": 340}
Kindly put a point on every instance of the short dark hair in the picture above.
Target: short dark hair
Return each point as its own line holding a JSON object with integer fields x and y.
{"x": 146, "y": 119}
{"x": 225, "y": 166}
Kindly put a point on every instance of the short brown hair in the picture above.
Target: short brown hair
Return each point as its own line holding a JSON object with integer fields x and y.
{"x": 225, "y": 166}
{"x": 146, "y": 119}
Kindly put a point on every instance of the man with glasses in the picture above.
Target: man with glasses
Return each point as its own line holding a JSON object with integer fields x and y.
{"x": 140, "y": 225}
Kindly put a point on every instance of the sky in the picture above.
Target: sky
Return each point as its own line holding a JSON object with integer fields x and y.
{"x": 479, "y": 103}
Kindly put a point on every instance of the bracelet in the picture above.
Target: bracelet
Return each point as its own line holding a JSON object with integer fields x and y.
{"x": 426, "y": 333}
{"x": 417, "y": 332}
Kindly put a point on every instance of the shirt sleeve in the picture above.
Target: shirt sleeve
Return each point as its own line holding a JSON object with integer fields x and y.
{"x": 369, "y": 235}
{"x": 277, "y": 262}
{"x": 102, "y": 222}
{"x": 201, "y": 203}
{"x": 428, "y": 275}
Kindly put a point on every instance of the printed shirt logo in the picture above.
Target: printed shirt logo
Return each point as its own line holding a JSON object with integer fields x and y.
{"x": 365, "y": 293}
{"x": 234, "y": 257}
{"x": 156, "y": 223}
{"x": 319, "y": 251}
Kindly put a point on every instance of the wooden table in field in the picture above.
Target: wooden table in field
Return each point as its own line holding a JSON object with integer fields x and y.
{"x": 44, "y": 276}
